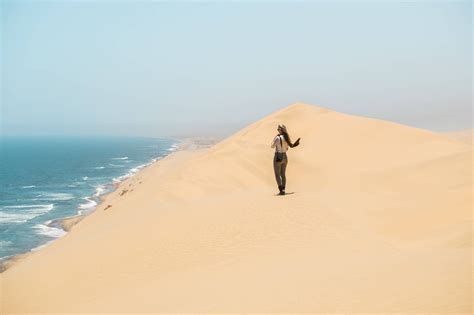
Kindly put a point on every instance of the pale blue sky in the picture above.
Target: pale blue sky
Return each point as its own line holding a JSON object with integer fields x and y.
{"x": 174, "y": 68}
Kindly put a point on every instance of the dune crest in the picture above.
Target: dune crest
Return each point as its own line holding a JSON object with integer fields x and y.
{"x": 379, "y": 220}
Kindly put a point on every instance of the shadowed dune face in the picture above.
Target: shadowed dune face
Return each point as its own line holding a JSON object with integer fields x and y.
{"x": 379, "y": 221}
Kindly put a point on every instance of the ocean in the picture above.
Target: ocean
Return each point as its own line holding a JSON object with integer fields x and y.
{"x": 43, "y": 178}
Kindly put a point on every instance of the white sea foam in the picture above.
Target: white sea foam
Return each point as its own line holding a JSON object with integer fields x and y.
{"x": 90, "y": 204}
{"x": 99, "y": 167}
{"x": 32, "y": 207}
{"x": 130, "y": 173}
{"x": 120, "y": 158}
{"x": 122, "y": 178}
{"x": 6, "y": 217}
{"x": 28, "y": 212}
{"x": 49, "y": 231}
{"x": 99, "y": 190}
{"x": 55, "y": 196}
{"x": 173, "y": 147}
{"x": 27, "y": 187}
{"x": 134, "y": 170}
{"x": 85, "y": 178}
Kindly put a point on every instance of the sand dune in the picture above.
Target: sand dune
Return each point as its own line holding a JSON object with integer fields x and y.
{"x": 463, "y": 135}
{"x": 379, "y": 220}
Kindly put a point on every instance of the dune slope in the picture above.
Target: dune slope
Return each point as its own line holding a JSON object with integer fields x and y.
{"x": 378, "y": 220}
{"x": 463, "y": 135}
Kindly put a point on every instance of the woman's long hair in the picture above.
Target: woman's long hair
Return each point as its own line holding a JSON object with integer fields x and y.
{"x": 286, "y": 135}
{"x": 287, "y": 138}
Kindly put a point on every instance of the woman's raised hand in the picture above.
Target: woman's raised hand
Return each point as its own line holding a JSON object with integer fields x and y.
{"x": 297, "y": 142}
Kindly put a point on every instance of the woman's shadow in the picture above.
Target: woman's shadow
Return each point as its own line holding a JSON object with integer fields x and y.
{"x": 288, "y": 193}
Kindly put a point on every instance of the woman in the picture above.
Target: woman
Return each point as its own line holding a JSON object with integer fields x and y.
{"x": 280, "y": 160}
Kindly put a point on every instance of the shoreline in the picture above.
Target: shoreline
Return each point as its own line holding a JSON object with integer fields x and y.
{"x": 67, "y": 223}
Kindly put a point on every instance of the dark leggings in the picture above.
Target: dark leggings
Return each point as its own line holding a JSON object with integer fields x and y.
{"x": 280, "y": 170}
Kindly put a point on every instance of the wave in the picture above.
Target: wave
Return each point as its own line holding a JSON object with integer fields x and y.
{"x": 91, "y": 202}
{"x": 75, "y": 184}
{"x": 136, "y": 169}
{"x": 99, "y": 167}
{"x": 6, "y": 217}
{"x": 42, "y": 229}
{"x": 130, "y": 173}
{"x": 85, "y": 178}
{"x": 48, "y": 207}
{"x": 115, "y": 165}
{"x": 55, "y": 196}
{"x": 28, "y": 212}
{"x": 120, "y": 158}
{"x": 89, "y": 205}
{"x": 173, "y": 147}
{"x": 99, "y": 190}
{"x": 27, "y": 187}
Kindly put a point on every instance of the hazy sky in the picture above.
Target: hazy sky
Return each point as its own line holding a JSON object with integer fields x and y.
{"x": 171, "y": 68}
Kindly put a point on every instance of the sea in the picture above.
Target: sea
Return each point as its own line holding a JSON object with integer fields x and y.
{"x": 45, "y": 178}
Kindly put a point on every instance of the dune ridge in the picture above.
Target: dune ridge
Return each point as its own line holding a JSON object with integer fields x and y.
{"x": 379, "y": 220}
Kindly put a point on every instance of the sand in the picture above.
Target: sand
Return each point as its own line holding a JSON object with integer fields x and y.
{"x": 378, "y": 220}
{"x": 463, "y": 135}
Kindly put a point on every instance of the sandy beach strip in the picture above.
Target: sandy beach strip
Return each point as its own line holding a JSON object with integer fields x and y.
{"x": 377, "y": 219}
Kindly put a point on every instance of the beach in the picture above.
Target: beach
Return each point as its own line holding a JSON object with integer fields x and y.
{"x": 377, "y": 219}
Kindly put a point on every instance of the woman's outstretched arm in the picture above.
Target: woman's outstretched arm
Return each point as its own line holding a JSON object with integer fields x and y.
{"x": 297, "y": 142}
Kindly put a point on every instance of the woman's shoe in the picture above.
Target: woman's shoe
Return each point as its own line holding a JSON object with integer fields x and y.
{"x": 282, "y": 190}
